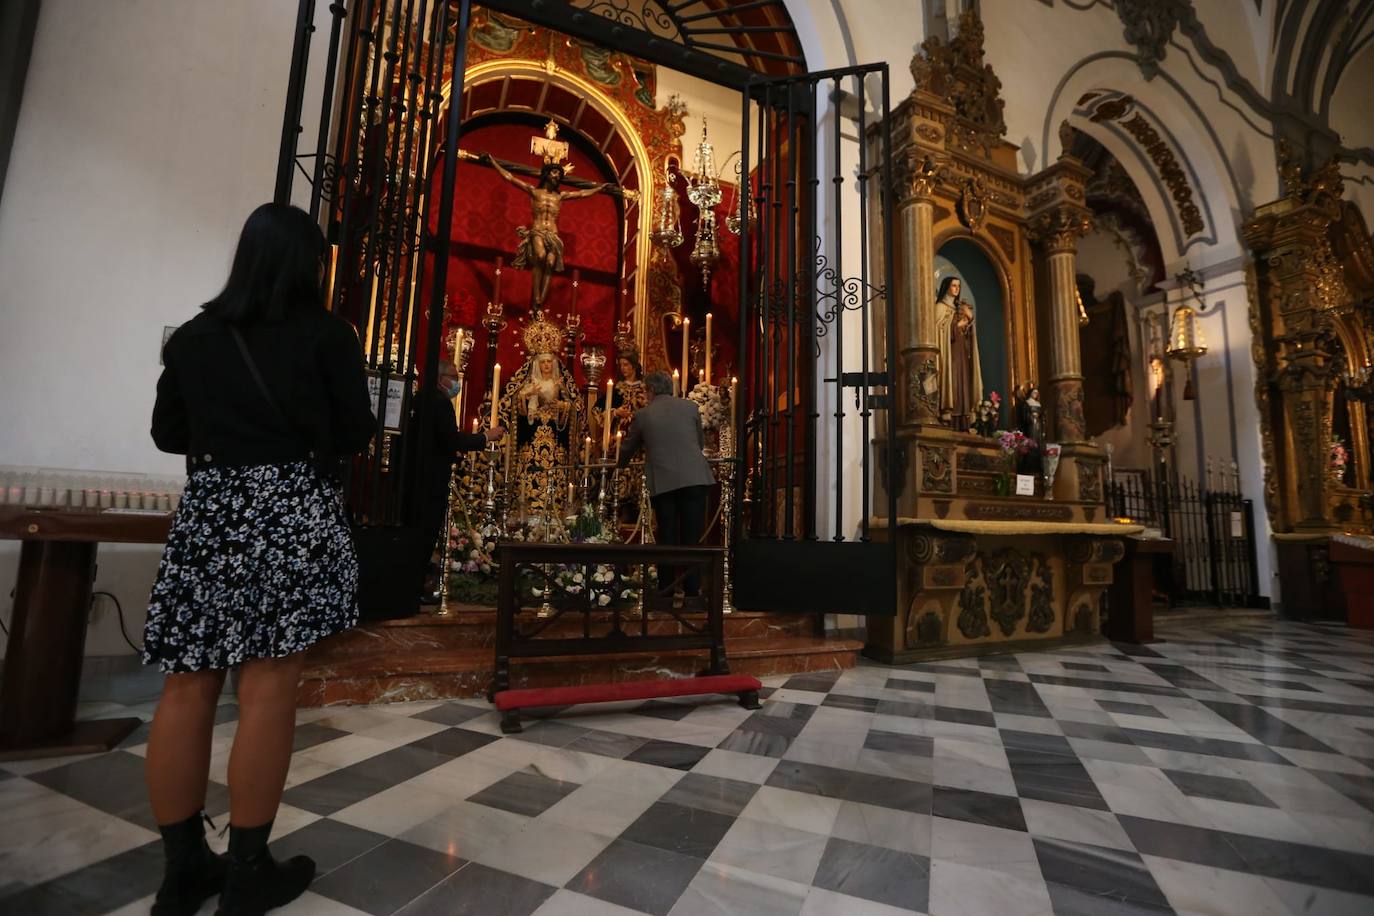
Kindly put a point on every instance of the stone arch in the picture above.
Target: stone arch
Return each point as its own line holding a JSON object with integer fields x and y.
{"x": 1186, "y": 132}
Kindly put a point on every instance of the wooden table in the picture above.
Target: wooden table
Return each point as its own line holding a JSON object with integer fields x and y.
{"x": 1131, "y": 614}
{"x": 47, "y": 640}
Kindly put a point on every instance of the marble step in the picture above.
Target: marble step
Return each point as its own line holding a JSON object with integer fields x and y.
{"x": 472, "y": 626}
{"x": 386, "y": 675}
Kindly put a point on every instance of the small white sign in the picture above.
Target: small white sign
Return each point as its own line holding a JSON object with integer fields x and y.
{"x": 1237, "y": 525}
{"x": 395, "y": 388}
{"x": 1025, "y": 484}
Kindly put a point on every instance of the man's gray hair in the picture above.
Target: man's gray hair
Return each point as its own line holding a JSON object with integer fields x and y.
{"x": 659, "y": 383}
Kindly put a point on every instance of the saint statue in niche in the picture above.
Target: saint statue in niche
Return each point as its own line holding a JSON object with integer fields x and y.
{"x": 541, "y": 248}
{"x": 961, "y": 377}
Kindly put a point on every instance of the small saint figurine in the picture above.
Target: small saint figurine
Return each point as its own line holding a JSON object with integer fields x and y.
{"x": 956, "y": 334}
{"x": 1030, "y": 421}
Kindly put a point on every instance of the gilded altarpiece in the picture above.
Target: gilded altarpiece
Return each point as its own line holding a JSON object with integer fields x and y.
{"x": 979, "y": 569}
{"x": 1312, "y": 320}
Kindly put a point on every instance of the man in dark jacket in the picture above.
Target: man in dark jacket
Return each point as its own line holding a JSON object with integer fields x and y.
{"x": 668, "y": 429}
{"x": 437, "y": 445}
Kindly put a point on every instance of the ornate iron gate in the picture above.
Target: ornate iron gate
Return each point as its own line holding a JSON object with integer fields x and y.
{"x": 803, "y": 546}
{"x": 389, "y": 65}
{"x": 816, "y": 347}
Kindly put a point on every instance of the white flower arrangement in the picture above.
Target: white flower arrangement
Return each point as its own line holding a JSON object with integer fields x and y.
{"x": 711, "y": 400}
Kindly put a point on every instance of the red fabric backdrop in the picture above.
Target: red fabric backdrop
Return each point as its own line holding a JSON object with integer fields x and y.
{"x": 486, "y": 212}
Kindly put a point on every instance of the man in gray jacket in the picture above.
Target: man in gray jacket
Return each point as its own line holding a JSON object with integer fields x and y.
{"x": 669, "y": 431}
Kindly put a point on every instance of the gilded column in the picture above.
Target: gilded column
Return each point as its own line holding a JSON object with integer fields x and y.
{"x": 916, "y": 345}
{"x": 1059, "y": 230}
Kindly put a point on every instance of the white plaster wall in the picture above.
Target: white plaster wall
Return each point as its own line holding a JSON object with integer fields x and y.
{"x": 1350, "y": 117}
{"x": 148, "y": 131}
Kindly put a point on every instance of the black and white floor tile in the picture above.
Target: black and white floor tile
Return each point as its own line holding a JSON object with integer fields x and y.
{"x": 1226, "y": 769}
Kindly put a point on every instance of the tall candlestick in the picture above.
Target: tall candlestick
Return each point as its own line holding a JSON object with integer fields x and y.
{"x": 606, "y": 411}
{"x": 677, "y": 384}
{"x": 686, "y": 353}
{"x": 619, "y": 437}
{"x": 495, "y": 393}
{"x": 587, "y": 451}
{"x": 708, "y": 346}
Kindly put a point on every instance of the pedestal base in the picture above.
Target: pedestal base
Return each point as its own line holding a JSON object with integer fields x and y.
{"x": 1001, "y": 588}
{"x": 93, "y": 736}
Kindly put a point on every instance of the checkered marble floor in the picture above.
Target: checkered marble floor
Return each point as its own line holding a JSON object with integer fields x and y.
{"x": 1226, "y": 769}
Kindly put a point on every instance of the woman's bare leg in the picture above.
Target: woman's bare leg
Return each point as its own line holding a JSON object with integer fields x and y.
{"x": 178, "y": 760}
{"x": 261, "y": 754}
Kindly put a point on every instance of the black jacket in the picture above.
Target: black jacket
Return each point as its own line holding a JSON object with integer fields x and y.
{"x": 210, "y": 409}
{"x": 436, "y": 445}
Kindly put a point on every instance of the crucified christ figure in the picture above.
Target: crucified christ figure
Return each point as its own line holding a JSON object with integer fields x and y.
{"x": 540, "y": 248}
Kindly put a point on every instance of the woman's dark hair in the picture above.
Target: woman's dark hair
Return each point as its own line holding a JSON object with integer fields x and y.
{"x": 276, "y": 267}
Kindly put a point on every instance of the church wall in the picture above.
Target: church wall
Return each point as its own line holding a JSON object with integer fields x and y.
{"x": 147, "y": 133}
{"x": 1350, "y": 115}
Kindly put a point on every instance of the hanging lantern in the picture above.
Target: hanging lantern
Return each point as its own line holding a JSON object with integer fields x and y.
{"x": 706, "y": 251}
{"x": 742, "y": 211}
{"x": 703, "y": 190}
{"x": 1185, "y": 335}
{"x": 667, "y": 228}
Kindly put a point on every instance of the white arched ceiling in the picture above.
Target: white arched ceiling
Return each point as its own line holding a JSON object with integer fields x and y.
{"x": 1197, "y": 148}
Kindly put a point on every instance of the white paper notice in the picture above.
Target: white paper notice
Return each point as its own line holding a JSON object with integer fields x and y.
{"x": 1237, "y": 525}
{"x": 1025, "y": 485}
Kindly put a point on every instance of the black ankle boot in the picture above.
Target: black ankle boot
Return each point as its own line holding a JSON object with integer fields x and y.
{"x": 257, "y": 882}
{"x": 194, "y": 873}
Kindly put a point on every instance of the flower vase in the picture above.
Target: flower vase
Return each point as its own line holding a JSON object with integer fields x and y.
{"x": 1337, "y": 476}
{"x": 1005, "y": 484}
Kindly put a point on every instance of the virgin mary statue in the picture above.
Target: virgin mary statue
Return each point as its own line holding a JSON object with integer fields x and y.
{"x": 956, "y": 334}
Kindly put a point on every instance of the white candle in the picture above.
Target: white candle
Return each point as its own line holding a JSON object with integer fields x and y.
{"x": 686, "y": 352}
{"x": 371, "y": 316}
{"x": 734, "y": 401}
{"x": 619, "y": 436}
{"x": 708, "y": 346}
{"x": 606, "y": 425}
{"x": 586, "y": 452}
{"x": 495, "y": 393}
{"x": 677, "y": 384}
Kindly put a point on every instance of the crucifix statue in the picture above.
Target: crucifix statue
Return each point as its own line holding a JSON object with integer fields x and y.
{"x": 541, "y": 249}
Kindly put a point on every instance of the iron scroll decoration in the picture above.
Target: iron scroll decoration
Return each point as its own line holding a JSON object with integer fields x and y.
{"x": 844, "y": 294}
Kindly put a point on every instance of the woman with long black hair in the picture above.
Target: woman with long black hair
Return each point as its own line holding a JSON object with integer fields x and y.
{"x": 260, "y": 391}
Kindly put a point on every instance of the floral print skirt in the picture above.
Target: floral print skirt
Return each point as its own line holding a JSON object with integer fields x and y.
{"x": 260, "y": 563}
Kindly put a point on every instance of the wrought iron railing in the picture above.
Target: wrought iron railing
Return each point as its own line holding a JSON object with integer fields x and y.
{"x": 590, "y": 599}
{"x": 1213, "y": 529}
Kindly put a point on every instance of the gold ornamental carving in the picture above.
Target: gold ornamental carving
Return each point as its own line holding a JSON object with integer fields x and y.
{"x": 1061, "y": 228}
{"x": 973, "y": 203}
{"x": 956, "y": 72}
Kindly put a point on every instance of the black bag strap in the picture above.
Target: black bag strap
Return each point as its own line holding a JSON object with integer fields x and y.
{"x": 266, "y": 391}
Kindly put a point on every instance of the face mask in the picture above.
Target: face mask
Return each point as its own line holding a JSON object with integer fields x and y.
{"x": 451, "y": 387}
